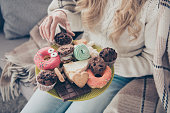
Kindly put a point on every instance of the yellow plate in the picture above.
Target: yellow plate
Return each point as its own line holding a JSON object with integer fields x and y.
{"x": 94, "y": 92}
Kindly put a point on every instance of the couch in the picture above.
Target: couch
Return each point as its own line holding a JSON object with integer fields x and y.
{"x": 17, "y": 18}
{"x": 6, "y": 46}
{"x": 15, "y": 24}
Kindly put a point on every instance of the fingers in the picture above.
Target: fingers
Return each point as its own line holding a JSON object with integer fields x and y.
{"x": 47, "y": 27}
{"x": 68, "y": 29}
{"x": 53, "y": 28}
{"x": 42, "y": 29}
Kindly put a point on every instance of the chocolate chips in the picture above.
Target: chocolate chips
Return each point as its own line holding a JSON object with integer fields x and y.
{"x": 47, "y": 77}
{"x": 108, "y": 54}
{"x": 63, "y": 37}
{"x": 67, "y": 90}
{"x": 97, "y": 75}
{"x": 97, "y": 65}
{"x": 65, "y": 49}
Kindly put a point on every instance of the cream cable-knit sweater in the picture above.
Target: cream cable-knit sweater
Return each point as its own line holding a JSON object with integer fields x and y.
{"x": 134, "y": 57}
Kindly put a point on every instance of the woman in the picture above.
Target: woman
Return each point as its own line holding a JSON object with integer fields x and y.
{"x": 128, "y": 26}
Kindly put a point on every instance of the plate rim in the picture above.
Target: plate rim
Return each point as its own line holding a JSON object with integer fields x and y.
{"x": 75, "y": 99}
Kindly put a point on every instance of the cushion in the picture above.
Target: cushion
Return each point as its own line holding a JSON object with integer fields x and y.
{"x": 21, "y": 15}
{"x": 1, "y": 21}
{"x": 7, "y": 46}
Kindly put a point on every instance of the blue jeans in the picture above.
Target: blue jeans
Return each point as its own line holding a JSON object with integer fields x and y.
{"x": 42, "y": 102}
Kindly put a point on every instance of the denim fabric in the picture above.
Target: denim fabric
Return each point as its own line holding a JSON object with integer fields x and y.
{"x": 42, "y": 102}
{"x": 99, "y": 103}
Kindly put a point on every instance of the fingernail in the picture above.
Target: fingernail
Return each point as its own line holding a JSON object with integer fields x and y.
{"x": 73, "y": 34}
{"x": 51, "y": 40}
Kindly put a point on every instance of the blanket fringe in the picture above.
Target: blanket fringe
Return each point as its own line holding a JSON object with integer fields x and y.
{"x": 11, "y": 75}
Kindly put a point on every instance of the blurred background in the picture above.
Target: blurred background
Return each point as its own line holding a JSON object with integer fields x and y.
{"x": 17, "y": 18}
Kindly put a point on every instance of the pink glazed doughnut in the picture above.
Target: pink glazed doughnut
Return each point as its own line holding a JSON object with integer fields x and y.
{"x": 99, "y": 82}
{"x": 51, "y": 63}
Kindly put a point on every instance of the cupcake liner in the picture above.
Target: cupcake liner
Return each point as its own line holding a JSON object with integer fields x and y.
{"x": 44, "y": 87}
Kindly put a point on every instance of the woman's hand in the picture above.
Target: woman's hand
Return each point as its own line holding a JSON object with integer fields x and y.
{"x": 48, "y": 27}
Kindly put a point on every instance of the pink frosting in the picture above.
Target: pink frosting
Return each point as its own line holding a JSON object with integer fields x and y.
{"x": 52, "y": 63}
{"x": 99, "y": 82}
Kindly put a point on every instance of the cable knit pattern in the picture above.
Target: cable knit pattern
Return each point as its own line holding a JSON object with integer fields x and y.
{"x": 137, "y": 54}
{"x": 146, "y": 55}
{"x": 128, "y": 51}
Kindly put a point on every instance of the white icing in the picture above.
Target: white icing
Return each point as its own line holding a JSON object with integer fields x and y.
{"x": 69, "y": 56}
{"x": 54, "y": 54}
{"x": 51, "y": 50}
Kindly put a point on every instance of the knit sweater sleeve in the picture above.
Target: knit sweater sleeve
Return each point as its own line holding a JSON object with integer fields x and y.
{"x": 68, "y": 7}
{"x": 141, "y": 65}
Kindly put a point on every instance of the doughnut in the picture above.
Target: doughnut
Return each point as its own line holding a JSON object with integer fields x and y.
{"x": 99, "y": 82}
{"x": 81, "y": 52}
{"x": 47, "y": 58}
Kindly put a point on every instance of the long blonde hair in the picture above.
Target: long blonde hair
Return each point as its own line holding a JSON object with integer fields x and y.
{"x": 125, "y": 16}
